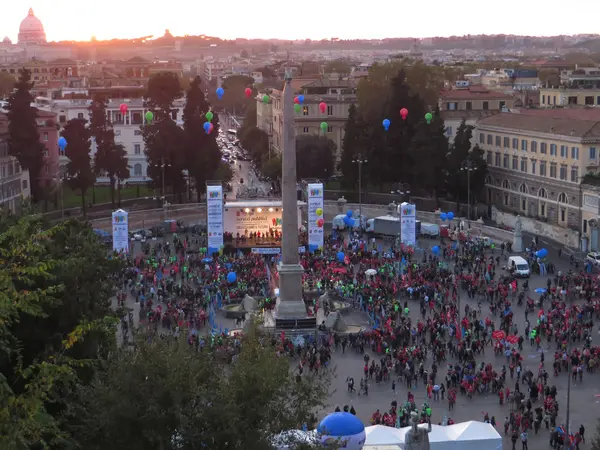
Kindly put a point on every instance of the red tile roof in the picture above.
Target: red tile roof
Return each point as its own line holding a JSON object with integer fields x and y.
{"x": 565, "y": 113}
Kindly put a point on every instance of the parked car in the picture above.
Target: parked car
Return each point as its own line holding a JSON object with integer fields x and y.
{"x": 594, "y": 258}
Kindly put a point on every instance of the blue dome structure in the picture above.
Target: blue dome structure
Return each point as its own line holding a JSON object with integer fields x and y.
{"x": 341, "y": 424}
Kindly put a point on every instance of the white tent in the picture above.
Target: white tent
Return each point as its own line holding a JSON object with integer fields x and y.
{"x": 467, "y": 435}
{"x": 380, "y": 437}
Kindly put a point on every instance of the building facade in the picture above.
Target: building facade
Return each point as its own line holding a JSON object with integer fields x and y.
{"x": 564, "y": 96}
{"x": 48, "y": 131}
{"x": 536, "y": 164}
{"x": 464, "y": 97}
{"x": 14, "y": 182}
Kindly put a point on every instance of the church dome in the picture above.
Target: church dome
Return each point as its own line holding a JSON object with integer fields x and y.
{"x": 6, "y": 41}
{"x": 31, "y": 30}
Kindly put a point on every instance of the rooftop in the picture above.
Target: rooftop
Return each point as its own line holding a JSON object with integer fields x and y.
{"x": 584, "y": 129}
{"x": 325, "y": 82}
{"x": 573, "y": 113}
{"x": 474, "y": 93}
{"x": 466, "y": 114}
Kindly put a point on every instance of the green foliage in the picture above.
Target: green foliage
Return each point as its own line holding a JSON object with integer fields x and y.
{"x": 340, "y": 66}
{"x": 271, "y": 167}
{"x": 256, "y": 142}
{"x": 352, "y": 145}
{"x": 7, "y": 84}
{"x": 223, "y": 173}
{"x": 168, "y": 395}
{"x": 110, "y": 157}
{"x": 314, "y": 157}
{"x": 23, "y": 137}
{"x": 163, "y": 89}
{"x": 202, "y": 151}
{"x": 79, "y": 168}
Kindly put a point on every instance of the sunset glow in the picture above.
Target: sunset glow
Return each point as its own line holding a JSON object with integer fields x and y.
{"x": 315, "y": 19}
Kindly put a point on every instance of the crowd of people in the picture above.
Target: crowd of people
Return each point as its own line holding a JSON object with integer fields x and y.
{"x": 435, "y": 354}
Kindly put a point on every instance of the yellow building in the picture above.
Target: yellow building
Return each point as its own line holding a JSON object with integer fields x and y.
{"x": 536, "y": 163}
{"x": 338, "y": 95}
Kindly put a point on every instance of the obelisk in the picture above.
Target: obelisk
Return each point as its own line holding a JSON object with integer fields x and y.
{"x": 291, "y": 305}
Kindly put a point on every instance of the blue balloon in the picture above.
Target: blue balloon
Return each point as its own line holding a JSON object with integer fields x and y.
{"x": 341, "y": 256}
{"x": 62, "y": 143}
{"x": 351, "y": 222}
{"x": 386, "y": 124}
{"x": 542, "y": 253}
{"x": 349, "y": 214}
{"x": 340, "y": 424}
{"x": 443, "y": 217}
{"x": 220, "y": 93}
{"x": 206, "y": 126}
{"x": 450, "y": 215}
{"x": 435, "y": 250}
{"x": 301, "y": 99}
{"x": 231, "y": 277}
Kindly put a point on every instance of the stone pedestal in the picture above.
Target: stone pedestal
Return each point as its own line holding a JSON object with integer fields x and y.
{"x": 517, "y": 245}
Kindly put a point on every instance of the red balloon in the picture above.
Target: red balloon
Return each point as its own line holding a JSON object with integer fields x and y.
{"x": 404, "y": 113}
{"x": 323, "y": 107}
{"x": 296, "y": 101}
{"x": 123, "y": 108}
{"x": 248, "y": 92}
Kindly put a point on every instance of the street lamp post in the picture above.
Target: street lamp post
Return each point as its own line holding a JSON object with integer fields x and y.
{"x": 468, "y": 166}
{"x": 163, "y": 165}
{"x": 360, "y": 161}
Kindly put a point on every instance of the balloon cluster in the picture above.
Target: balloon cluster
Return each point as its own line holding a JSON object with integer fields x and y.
{"x": 62, "y": 143}
{"x": 435, "y": 250}
{"x": 208, "y": 126}
{"x": 541, "y": 253}
{"x": 348, "y": 220}
{"x": 320, "y": 220}
{"x": 298, "y": 101}
{"x": 446, "y": 216}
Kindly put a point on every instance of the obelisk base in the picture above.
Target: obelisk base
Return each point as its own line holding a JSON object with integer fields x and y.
{"x": 291, "y": 313}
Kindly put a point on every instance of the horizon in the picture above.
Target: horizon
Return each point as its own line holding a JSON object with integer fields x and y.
{"x": 371, "y": 24}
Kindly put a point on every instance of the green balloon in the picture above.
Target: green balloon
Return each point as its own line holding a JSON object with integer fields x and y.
{"x": 266, "y": 98}
{"x": 297, "y": 108}
{"x": 324, "y": 126}
{"x": 209, "y": 116}
{"x": 149, "y": 116}
{"x": 428, "y": 117}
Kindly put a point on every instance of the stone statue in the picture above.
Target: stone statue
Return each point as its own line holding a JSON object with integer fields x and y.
{"x": 517, "y": 245}
{"x": 417, "y": 438}
{"x": 519, "y": 227}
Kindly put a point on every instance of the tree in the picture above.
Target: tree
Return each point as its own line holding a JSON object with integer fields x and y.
{"x": 79, "y": 168}
{"x": 164, "y": 140}
{"x": 202, "y": 151}
{"x": 7, "y": 84}
{"x": 271, "y": 167}
{"x": 429, "y": 148}
{"x": 315, "y": 156}
{"x": 224, "y": 172}
{"x": 249, "y": 121}
{"x": 23, "y": 137}
{"x": 110, "y": 157}
{"x": 352, "y": 145}
{"x": 459, "y": 153}
{"x": 171, "y": 396}
{"x": 339, "y": 66}
{"x": 256, "y": 142}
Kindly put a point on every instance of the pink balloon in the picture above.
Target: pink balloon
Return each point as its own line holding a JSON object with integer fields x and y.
{"x": 404, "y": 113}
{"x": 123, "y": 108}
{"x": 323, "y": 107}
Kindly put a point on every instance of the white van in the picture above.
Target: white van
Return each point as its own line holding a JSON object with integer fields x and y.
{"x": 519, "y": 266}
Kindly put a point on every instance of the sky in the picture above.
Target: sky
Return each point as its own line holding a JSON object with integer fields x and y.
{"x": 313, "y": 19}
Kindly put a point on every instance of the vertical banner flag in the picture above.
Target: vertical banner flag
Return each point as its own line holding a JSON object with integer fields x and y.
{"x": 408, "y": 217}
{"x": 316, "y": 218}
{"x": 120, "y": 230}
{"x": 214, "y": 214}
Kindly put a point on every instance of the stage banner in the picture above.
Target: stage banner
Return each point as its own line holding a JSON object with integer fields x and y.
{"x": 214, "y": 214}
{"x": 316, "y": 218}
{"x": 120, "y": 230}
{"x": 408, "y": 218}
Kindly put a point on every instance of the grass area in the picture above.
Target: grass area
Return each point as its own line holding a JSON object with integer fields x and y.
{"x": 97, "y": 195}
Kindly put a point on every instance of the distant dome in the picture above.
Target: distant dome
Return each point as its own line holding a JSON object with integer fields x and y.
{"x": 7, "y": 41}
{"x": 31, "y": 30}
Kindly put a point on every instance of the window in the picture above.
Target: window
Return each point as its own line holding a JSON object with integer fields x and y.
{"x": 515, "y": 163}
{"x": 523, "y": 204}
{"x": 62, "y": 119}
{"x": 542, "y": 209}
{"x": 502, "y": 104}
{"x": 45, "y": 136}
{"x": 305, "y": 110}
{"x": 136, "y": 118}
{"x": 523, "y": 188}
{"x": 505, "y": 184}
{"x": 490, "y": 139}
{"x": 563, "y": 173}
{"x": 542, "y": 193}
{"x": 585, "y": 225}
{"x": 174, "y": 115}
{"x": 45, "y": 153}
{"x": 498, "y": 141}
{"x": 563, "y": 215}
{"x": 448, "y": 131}
{"x": 564, "y": 151}
{"x": 329, "y": 110}
{"x": 598, "y": 100}
{"x": 329, "y": 129}
{"x": 563, "y": 198}
{"x": 552, "y": 149}
{"x": 137, "y": 149}
{"x": 523, "y": 145}
{"x": 515, "y": 143}
{"x": 506, "y": 142}
{"x": 574, "y": 174}
{"x": 24, "y": 184}
{"x": 469, "y": 106}
{"x": 552, "y": 170}
{"x": 505, "y": 199}
{"x": 543, "y": 99}
{"x": 575, "y": 153}
{"x": 481, "y": 138}
{"x": 137, "y": 170}
{"x": 543, "y": 168}
{"x": 533, "y": 163}
{"x": 524, "y": 165}
{"x": 497, "y": 159}
{"x": 533, "y": 146}
{"x": 489, "y": 158}
{"x": 589, "y": 100}
{"x": 137, "y": 132}
{"x": 543, "y": 148}
{"x": 486, "y": 106}
{"x": 573, "y": 100}
{"x": 505, "y": 162}
{"x": 593, "y": 153}
{"x": 80, "y": 115}
{"x": 305, "y": 130}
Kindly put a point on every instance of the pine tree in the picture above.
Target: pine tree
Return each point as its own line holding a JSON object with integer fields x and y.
{"x": 351, "y": 146}
{"x": 459, "y": 153}
{"x": 110, "y": 157}
{"x": 23, "y": 137}
{"x": 79, "y": 168}
{"x": 202, "y": 151}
